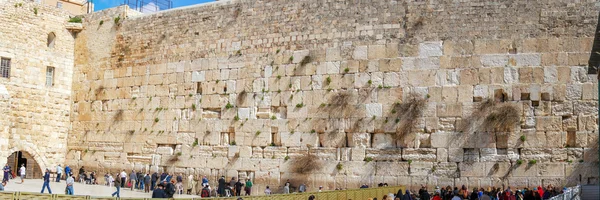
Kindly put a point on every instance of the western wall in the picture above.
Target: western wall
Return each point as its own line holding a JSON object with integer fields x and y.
{"x": 477, "y": 93}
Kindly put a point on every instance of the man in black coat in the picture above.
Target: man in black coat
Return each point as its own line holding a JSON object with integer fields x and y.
{"x": 169, "y": 189}
{"x": 222, "y": 184}
{"x": 238, "y": 188}
{"x": 153, "y": 181}
{"x": 159, "y": 192}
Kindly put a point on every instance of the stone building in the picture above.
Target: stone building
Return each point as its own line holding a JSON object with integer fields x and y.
{"x": 473, "y": 93}
{"x": 37, "y": 53}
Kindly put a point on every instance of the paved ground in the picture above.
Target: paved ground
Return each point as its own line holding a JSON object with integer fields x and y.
{"x": 35, "y": 185}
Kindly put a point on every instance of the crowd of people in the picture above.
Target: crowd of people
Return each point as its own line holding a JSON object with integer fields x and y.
{"x": 165, "y": 185}
{"x": 491, "y": 193}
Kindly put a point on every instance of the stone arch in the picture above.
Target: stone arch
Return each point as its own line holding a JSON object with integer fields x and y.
{"x": 41, "y": 161}
{"x": 22, "y": 157}
{"x": 51, "y": 39}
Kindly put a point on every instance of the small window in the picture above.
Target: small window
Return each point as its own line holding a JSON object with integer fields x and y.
{"x": 50, "y": 41}
{"x": 5, "y": 67}
{"x": 49, "y": 76}
{"x": 59, "y": 4}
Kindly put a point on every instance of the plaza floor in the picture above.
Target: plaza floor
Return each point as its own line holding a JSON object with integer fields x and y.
{"x": 35, "y": 186}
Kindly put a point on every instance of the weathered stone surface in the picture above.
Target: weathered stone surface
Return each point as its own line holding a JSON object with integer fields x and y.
{"x": 238, "y": 106}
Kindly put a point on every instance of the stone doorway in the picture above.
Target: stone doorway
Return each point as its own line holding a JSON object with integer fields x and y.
{"x": 16, "y": 159}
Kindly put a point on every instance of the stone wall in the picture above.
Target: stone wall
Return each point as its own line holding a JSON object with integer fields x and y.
{"x": 246, "y": 88}
{"x": 34, "y": 118}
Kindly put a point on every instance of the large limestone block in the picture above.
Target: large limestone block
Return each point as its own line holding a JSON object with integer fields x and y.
{"x": 357, "y": 153}
{"x": 391, "y": 168}
{"x": 420, "y": 168}
{"x": 548, "y": 123}
{"x": 376, "y": 52}
{"x": 497, "y": 169}
{"x": 419, "y": 154}
{"x": 428, "y": 49}
{"x": 384, "y": 154}
{"x": 332, "y": 139}
{"x": 468, "y": 169}
{"x": 442, "y": 155}
{"x": 538, "y": 154}
{"x": 383, "y": 141}
{"x": 445, "y": 170}
{"x": 374, "y": 110}
{"x": 360, "y": 53}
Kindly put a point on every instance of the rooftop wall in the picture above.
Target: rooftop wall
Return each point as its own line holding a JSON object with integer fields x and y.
{"x": 246, "y": 88}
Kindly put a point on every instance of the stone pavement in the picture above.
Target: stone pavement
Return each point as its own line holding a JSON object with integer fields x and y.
{"x": 35, "y": 185}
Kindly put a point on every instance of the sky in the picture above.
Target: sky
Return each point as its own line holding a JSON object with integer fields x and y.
{"x": 104, "y": 4}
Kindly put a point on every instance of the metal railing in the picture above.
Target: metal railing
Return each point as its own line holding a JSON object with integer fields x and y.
{"x": 354, "y": 194}
{"x": 571, "y": 193}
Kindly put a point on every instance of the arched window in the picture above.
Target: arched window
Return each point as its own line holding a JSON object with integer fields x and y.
{"x": 51, "y": 38}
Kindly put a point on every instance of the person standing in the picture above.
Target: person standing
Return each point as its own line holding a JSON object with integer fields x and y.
{"x": 118, "y": 184}
{"x": 132, "y": 179}
{"x": 221, "y": 189}
{"x": 6, "y": 171}
{"x": 147, "y": 183}
{"x": 153, "y": 180}
{"x": 238, "y": 188}
{"x": 110, "y": 181}
{"x": 286, "y": 187}
{"x": 179, "y": 184}
{"x": 232, "y": 183}
{"x": 140, "y": 180}
{"x": 68, "y": 172}
{"x": 123, "y": 177}
{"x": 22, "y": 172}
{"x": 70, "y": 182}
{"x": 59, "y": 171}
{"x": 191, "y": 184}
{"x": 82, "y": 174}
{"x": 46, "y": 182}
{"x": 302, "y": 188}
{"x": 248, "y": 187}
{"x": 268, "y": 191}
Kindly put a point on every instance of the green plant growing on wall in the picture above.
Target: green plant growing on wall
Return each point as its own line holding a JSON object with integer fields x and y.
{"x": 156, "y": 120}
{"x": 117, "y": 20}
{"x": 179, "y": 154}
{"x": 313, "y": 131}
{"x": 195, "y": 143}
{"x": 193, "y": 106}
{"x": 35, "y": 11}
{"x": 328, "y": 80}
{"x": 75, "y": 19}
{"x": 368, "y": 159}
{"x": 273, "y": 117}
{"x": 291, "y": 58}
{"x": 228, "y": 106}
{"x": 370, "y": 82}
{"x": 409, "y": 162}
{"x": 300, "y": 105}
{"x": 346, "y": 70}
{"x": 522, "y": 138}
{"x": 339, "y": 166}
{"x": 286, "y": 158}
{"x": 236, "y": 118}
{"x": 278, "y": 76}
{"x": 278, "y": 50}
{"x": 257, "y": 133}
{"x": 232, "y": 143}
{"x": 101, "y": 22}
{"x": 519, "y": 162}
{"x": 532, "y": 162}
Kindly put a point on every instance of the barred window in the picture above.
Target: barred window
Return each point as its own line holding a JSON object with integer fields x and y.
{"x": 49, "y": 76}
{"x": 5, "y": 67}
